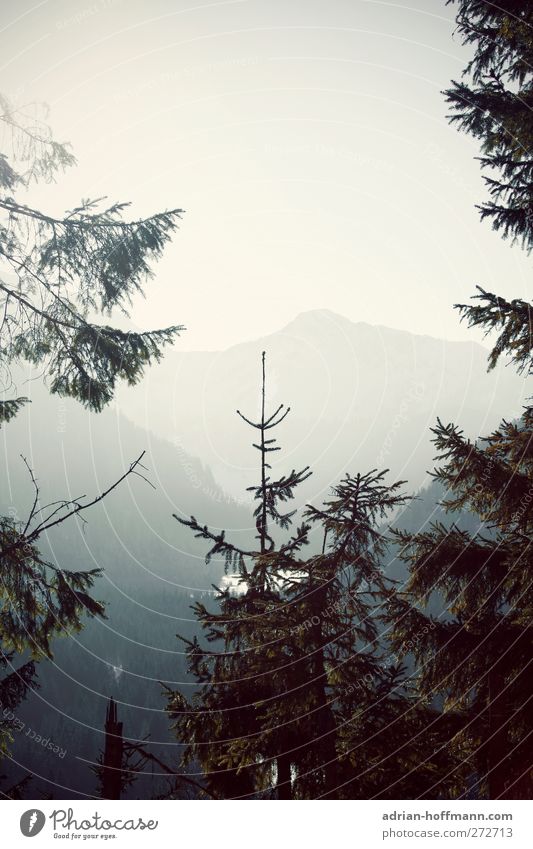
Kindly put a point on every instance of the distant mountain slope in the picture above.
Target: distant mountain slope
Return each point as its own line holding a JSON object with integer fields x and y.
{"x": 152, "y": 570}
{"x": 131, "y": 534}
{"x": 361, "y": 396}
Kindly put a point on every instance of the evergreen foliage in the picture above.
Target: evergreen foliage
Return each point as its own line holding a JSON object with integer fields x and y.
{"x": 478, "y": 652}
{"x": 493, "y": 104}
{"x": 55, "y": 272}
{"x": 39, "y": 600}
{"x": 10, "y": 408}
{"x": 58, "y": 271}
{"x": 298, "y": 695}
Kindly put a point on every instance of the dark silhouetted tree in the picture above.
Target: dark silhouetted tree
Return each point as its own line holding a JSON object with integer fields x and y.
{"x": 493, "y": 103}
{"x": 223, "y": 725}
{"x": 39, "y": 600}
{"x": 384, "y": 740}
{"x": 56, "y": 272}
{"x": 478, "y": 654}
{"x": 298, "y": 696}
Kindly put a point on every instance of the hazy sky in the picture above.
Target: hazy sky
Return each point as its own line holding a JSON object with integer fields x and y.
{"x": 306, "y": 140}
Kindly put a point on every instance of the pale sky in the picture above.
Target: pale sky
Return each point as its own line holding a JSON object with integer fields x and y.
{"x": 307, "y": 142}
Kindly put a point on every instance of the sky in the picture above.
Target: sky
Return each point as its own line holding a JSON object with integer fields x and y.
{"x": 307, "y": 143}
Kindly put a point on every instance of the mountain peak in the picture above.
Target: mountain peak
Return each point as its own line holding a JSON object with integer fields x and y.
{"x": 324, "y": 317}
{"x": 321, "y": 321}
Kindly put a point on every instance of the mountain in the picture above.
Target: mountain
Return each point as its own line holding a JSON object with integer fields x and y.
{"x": 361, "y": 396}
{"x": 153, "y": 570}
{"x": 132, "y": 533}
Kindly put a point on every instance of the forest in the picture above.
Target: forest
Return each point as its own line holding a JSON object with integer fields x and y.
{"x": 315, "y": 625}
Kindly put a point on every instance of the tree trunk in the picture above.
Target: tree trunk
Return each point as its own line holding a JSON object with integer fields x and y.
{"x": 325, "y": 726}
{"x": 284, "y": 785}
{"x": 112, "y": 765}
{"x": 497, "y": 748}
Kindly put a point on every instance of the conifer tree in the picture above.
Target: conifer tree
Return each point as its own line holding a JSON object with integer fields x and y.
{"x": 385, "y": 740}
{"x": 332, "y": 599}
{"x": 299, "y": 697}
{"x": 478, "y": 654}
{"x": 38, "y": 599}
{"x": 56, "y": 273}
{"x": 223, "y": 725}
{"x": 493, "y": 103}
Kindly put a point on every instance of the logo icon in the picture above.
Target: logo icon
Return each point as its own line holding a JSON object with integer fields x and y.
{"x": 32, "y": 822}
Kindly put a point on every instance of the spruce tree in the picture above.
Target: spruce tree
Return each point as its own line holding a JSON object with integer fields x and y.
{"x": 368, "y": 732}
{"x": 224, "y": 724}
{"x": 492, "y": 102}
{"x": 39, "y": 600}
{"x": 56, "y": 273}
{"x": 334, "y": 601}
{"x": 299, "y": 697}
{"x": 477, "y": 654}
{"x": 386, "y": 741}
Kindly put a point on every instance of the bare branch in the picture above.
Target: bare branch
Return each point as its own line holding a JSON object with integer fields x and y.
{"x": 149, "y": 756}
{"x": 46, "y": 524}
{"x": 35, "y": 500}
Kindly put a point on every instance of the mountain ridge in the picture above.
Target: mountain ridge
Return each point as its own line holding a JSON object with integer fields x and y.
{"x": 357, "y": 391}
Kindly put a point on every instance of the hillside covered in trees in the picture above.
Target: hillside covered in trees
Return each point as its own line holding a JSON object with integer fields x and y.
{"x": 295, "y": 569}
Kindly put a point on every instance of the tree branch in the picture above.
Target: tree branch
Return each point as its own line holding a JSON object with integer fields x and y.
{"x": 45, "y": 525}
